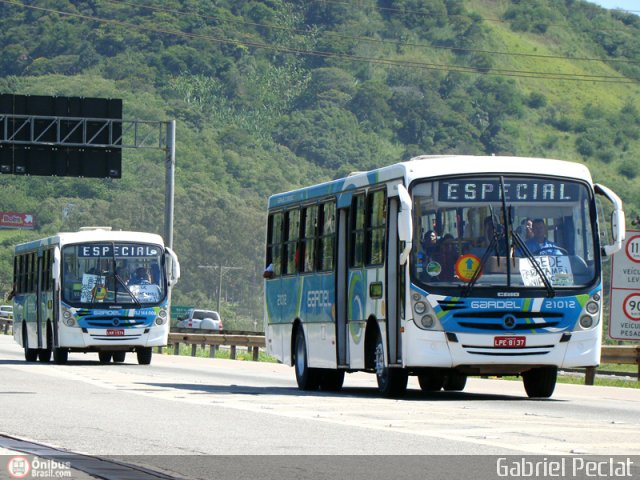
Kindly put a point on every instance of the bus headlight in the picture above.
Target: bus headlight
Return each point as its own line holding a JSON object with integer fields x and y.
{"x": 586, "y": 321}
{"x": 592, "y": 308}
{"x": 428, "y": 321}
{"x": 590, "y": 315}
{"x": 160, "y": 320}
{"x": 424, "y": 316}
{"x": 67, "y": 318}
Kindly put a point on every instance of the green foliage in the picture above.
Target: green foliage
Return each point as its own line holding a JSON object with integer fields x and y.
{"x": 256, "y": 115}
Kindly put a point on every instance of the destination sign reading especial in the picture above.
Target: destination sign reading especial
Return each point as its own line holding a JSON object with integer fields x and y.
{"x": 625, "y": 290}
{"x": 524, "y": 190}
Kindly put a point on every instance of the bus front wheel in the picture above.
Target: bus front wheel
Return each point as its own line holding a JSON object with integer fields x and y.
{"x": 307, "y": 378}
{"x": 392, "y": 382}
{"x": 540, "y": 382}
{"x": 60, "y": 355}
{"x": 144, "y": 355}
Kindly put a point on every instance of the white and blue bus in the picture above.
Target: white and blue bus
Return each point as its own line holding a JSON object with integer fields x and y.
{"x": 440, "y": 267}
{"x": 94, "y": 290}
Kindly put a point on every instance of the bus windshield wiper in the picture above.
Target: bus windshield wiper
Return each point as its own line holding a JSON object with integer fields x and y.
{"x": 517, "y": 240}
{"x": 494, "y": 247}
{"x": 119, "y": 278}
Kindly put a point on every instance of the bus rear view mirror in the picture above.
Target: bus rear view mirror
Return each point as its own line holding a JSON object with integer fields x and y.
{"x": 173, "y": 267}
{"x": 405, "y": 227}
{"x": 55, "y": 267}
{"x": 618, "y": 229}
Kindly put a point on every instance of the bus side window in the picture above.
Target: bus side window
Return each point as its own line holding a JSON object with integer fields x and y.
{"x": 327, "y": 239}
{"x": 376, "y": 227}
{"x": 309, "y": 236}
{"x": 274, "y": 246}
{"x": 356, "y": 246}
{"x": 291, "y": 246}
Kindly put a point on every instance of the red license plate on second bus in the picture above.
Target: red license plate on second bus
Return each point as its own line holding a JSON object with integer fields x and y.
{"x": 115, "y": 332}
{"x": 510, "y": 342}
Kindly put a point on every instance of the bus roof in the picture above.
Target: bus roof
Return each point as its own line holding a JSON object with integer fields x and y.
{"x": 92, "y": 235}
{"x": 432, "y": 166}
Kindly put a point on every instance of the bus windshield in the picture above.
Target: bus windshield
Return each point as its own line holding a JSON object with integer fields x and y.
{"x": 503, "y": 231}
{"x": 122, "y": 273}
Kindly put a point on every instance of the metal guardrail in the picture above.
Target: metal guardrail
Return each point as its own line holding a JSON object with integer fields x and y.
{"x": 233, "y": 340}
{"x": 615, "y": 354}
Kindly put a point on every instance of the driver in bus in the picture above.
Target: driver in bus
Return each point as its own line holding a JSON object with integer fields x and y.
{"x": 140, "y": 277}
{"x": 539, "y": 244}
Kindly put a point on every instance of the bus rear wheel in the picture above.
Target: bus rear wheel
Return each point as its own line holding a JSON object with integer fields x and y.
{"x": 540, "y": 382}
{"x": 431, "y": 382}
{"x": 307, "y": 378}
{"x": 105, "y": 357}
{"x": 392, "y": 382}
{"x": 144, "y": 355}
{"x": 455, "y": 382}
{"x": 30, "y": 354}
{"x": 331, "y": 380}
{"x": 44, "y": 354}
{"x": 118, "y": 357}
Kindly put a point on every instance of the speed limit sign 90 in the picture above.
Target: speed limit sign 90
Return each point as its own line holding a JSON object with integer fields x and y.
{"x": 631, "y": 306}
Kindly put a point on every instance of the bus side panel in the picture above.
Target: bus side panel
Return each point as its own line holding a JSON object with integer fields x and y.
{"x": 362, "y": 306}
{"x": 317, "y": 312}
{"x": 25, "y": 313}
{"x": 357, "y": 316}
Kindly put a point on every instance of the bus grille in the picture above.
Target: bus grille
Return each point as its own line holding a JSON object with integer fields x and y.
{"x": 103, "y": 322}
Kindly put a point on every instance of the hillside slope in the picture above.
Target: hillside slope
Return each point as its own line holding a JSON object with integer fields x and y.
{"x": 271, "y": 95}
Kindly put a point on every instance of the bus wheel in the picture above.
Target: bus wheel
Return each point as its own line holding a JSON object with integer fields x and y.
{"x": 60, "y": 355}
{"x": 392, "y": 382}
{"x": 431, "y": 382}
{"x": 307, "y": 378}
{"x": 44, "y": 354}
{"x": 455, "y": 382}
{"x": 105, "y": 357}
{"x": 118, "y": 357}
{"x": 30, "y": 354}
{"x": 540, "y": 382}
{"x": 144, "y": 355}
{"x": 331, "y": 380}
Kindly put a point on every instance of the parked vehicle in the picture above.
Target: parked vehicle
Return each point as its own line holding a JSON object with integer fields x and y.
{"x": 201, "y": 319}
{"x": 6, "y": 312}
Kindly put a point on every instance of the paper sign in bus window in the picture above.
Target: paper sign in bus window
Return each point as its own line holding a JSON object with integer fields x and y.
{"x": 556, "y": 268}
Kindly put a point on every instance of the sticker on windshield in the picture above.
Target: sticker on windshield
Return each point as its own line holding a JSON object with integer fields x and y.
{"x": 434, "y": 269}
{"x": 466, "y": 267}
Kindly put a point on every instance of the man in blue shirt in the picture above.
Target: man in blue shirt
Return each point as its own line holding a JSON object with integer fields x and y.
{"x": 539, "y": 244}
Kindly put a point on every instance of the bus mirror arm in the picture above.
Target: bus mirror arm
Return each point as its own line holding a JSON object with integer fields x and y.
{"x": 618, "y": 230}
{"x": 405, "y": 227}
